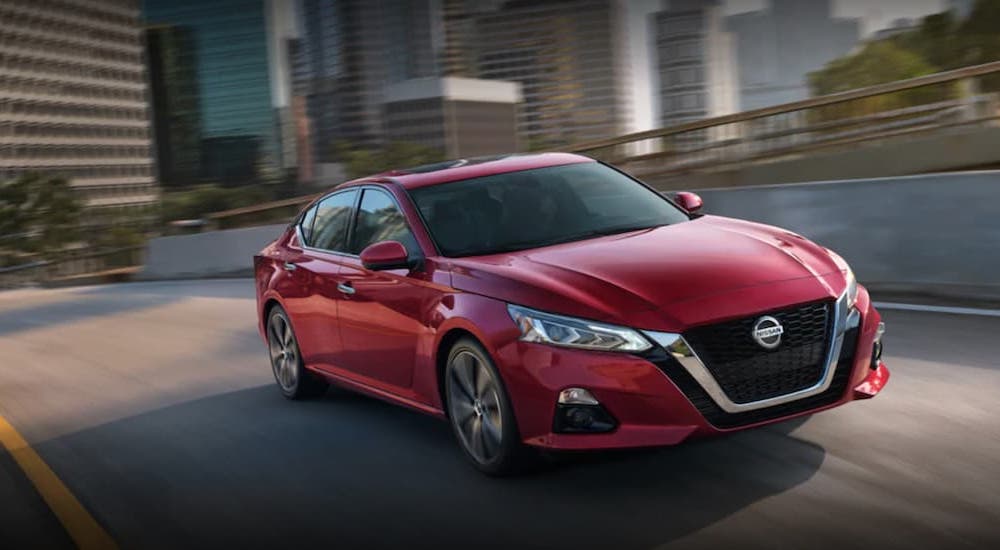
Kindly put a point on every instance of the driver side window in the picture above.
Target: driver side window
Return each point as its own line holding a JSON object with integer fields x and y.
{"x": 379, "y": 219}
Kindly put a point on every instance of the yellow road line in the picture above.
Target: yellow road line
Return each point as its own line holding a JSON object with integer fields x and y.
{"x": 81, "y": 526}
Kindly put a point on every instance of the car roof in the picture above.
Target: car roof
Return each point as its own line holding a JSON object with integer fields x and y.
{"x": 461, "y": 169}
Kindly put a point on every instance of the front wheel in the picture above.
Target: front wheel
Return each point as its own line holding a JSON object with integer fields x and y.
{"x": 480, "y": 412}
{"x": 294, "y": 381}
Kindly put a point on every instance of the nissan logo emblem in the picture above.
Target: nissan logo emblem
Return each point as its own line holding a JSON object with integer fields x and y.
{"x": 767, "y": 332}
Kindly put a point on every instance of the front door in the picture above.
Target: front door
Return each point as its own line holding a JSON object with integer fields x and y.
{"x": 382, "y": 314}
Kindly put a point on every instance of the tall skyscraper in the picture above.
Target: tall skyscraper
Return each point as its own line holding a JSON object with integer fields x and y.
{"x": 241, "y": 90}
{"x": 173, "y": 74}
{"x": 777, "y": 48}
{"x": 350, "y": 50}
{"x": 73, "y": 99}
{"x": 694, "y": 58}
{"x": 570, "y": 58}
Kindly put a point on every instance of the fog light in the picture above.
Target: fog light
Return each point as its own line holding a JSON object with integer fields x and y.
{"x": 877, "y": 346}
{"x": 579, "y": 418}
{"x": 582, "y": 419}
{"x": 576, "y": 396}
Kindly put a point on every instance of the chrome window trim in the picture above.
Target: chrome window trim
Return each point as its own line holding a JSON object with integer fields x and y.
{"x": 304, "y": 246}
{"x": 844, "y": 318}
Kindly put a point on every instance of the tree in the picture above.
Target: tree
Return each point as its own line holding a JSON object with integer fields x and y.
{"x": 877, "y": 63}
{"x": 939, "y": 43}
{"x": 39, "y": 214}
{"x": 397, "y": 155}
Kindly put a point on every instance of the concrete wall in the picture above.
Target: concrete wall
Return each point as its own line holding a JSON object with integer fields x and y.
{"x": 929, "y": 234}
{"x": 225, "y": 253}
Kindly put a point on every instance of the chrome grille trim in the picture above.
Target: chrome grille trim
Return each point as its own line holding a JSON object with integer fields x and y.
{"x": 844, "y": 318}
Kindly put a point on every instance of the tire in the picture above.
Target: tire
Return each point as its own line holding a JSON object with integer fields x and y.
{"x": 480, "y": 413}
{"x": 293, "y": 379}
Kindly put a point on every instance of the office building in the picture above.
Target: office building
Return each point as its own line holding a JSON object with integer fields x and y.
{"x": 73, "y": 100}
{"x": 170, "y": 54}
{"x": 569, "y": 56}
{"x": 350, "y": 50}
{"x": 461, "y": 117}
{"x": 242, "y": 80}
{"x": 694, "y": 61}
{"x": 778, "y": 47}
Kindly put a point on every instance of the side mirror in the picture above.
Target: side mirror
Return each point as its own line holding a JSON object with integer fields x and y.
{"x": 689, "y": 201}
{"x": 385, "y": 255}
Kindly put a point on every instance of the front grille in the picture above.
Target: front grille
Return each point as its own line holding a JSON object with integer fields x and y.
{"x": 724, "y": 420}
{"x": 747, "y": 372}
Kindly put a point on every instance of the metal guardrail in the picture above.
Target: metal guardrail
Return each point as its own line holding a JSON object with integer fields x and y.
{"x": 759, "y": 135}
{"x": 119, "y": 263}
{"x": 269, "y": 212}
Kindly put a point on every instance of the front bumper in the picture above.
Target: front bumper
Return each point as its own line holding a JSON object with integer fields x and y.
{"x": 655, "y": 402}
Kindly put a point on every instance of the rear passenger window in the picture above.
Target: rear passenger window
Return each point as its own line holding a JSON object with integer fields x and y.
{"x": 306, "y": 226}
{"x": 333, "y": 215}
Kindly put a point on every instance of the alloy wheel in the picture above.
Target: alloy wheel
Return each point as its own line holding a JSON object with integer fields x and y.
{"x": 284, "y": 352}
{"x": 474, "y": 404}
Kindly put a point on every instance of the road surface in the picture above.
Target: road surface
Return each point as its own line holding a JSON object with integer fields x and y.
{"x": 154, "y": 405}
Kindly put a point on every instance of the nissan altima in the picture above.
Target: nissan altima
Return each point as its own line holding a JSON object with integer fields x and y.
{"x": 553, "y": 302}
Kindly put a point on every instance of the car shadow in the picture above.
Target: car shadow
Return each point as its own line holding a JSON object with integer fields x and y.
{"x": 250, "y": 469}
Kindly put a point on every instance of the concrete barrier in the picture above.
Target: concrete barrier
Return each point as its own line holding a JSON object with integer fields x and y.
{"x": 226, "y": 253}
{"x": 935, "y": 234}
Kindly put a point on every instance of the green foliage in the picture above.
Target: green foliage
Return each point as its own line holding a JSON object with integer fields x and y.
{"x": 365, "y": 162}
{"x": 39, "y": 214}
{"x": 196, "y": 202}
{"x": 876, "y": 63}
{"x": 940, "y": 43}
{"x": 119, "y": 236}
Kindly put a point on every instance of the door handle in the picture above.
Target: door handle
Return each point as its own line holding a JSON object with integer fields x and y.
{"x": 346, "y": 288}
{"x": 289, "y": 266}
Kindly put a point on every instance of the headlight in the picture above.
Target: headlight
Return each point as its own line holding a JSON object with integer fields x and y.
{"x": 547, "y": 328}
{"x": 852, "y": 289}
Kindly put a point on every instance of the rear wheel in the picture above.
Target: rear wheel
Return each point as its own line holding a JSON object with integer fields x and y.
{"x": 480, "y": 412}
{"x": 294, "y": 381}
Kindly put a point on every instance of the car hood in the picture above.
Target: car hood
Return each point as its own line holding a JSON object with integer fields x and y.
{"x": 666, "y": 278}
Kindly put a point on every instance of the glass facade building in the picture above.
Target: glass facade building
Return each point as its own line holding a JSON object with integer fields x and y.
{"x": 239, "y": 135}
{"x": 349, "y": 51}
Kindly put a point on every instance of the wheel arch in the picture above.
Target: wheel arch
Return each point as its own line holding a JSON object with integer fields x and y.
{"x": 268, "y": 303}
{"x": 445, "y": 343}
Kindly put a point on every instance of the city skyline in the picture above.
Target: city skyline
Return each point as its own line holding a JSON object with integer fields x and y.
{"x": 873, "y": 16}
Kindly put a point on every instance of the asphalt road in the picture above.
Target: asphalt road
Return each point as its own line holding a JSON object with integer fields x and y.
{"x": 154, "y": 404}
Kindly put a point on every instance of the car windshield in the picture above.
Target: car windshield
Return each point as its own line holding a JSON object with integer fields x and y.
{"x": 539, "y": 207}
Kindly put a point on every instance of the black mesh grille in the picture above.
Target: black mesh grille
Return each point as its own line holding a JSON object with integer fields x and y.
{"x": 748, "y": 372}
{"x": 723, "y": 420}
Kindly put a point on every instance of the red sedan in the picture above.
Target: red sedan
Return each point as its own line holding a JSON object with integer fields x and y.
{"x": 551, "y": 301}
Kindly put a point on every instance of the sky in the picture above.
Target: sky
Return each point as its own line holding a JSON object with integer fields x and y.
{"x": 874, "y": 15}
